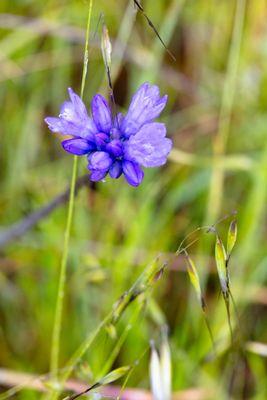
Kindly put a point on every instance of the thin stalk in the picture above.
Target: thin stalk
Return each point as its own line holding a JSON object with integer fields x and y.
{"x": 234, "y": 306}
{"x": 62, "y": 278}
{"x": 124, "y": 384}
{"x": 63, "y": 266}
{"x": 227, "y": 305}
{"x": 135, "y": 364}
{"x": 210, "y": 332}
{"x": 237, "y": 317}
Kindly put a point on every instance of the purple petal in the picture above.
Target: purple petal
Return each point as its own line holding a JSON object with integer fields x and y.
{"x": 118, "y": 120}
{"x": 75, "y": 112}
{"x": 132, "y": 172}
{"x": 115, "y": 148}
{"x": 149, "y": 147}
{"x": 115, "y": 170}
{"x": 98, "y": 175}
{"x": 145, "y": 106}
{"x": 101, "y": 139}
{"x": 99, "y": 160}
{"x": 139, "y": 96}
{"x": 101, "y": 113}
{"x": 62, "y": 126}
{"x": 68, "y": 113}
{"x": 78, "y": 105}
{"x": 54, "y": 124}
{"x": 73, "y": 119}
{"x": 115, "y": 133}
{"x": 78, "y": 147}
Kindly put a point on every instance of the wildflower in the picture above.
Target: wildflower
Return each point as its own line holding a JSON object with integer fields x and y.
{"x": 119, "y": 144}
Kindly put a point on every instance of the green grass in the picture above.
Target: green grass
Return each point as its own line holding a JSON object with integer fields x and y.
{"x": 217, "y": 93}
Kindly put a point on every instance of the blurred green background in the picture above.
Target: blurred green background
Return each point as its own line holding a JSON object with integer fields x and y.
{"x": 217, "y": 118}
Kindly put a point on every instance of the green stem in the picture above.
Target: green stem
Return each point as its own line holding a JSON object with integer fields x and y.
{"x": 134, "y": 365}
{"x": 210, "y": 333}
{"x": 54, "y": 361}
{"x": 62, "y": 277}
{"x": 227, "y": 305}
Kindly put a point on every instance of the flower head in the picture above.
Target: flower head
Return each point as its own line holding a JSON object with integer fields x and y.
{"x": 115, "y": 145}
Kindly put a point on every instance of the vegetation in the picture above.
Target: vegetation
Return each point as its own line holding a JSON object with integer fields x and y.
{"x": 136, "y": 244}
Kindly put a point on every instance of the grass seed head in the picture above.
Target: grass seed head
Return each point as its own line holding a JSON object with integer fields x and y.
{"x": 106, "y": 47}
{"x": 194, "y": 279}
{"x": 231, "y": 238}
{"x": 220, "y": 258}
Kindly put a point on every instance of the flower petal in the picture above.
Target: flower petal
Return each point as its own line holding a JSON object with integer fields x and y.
{"x": 118, "y": 120}
{"x": 78, "y": 147}
{"x": 67, "y": 112}
{"x": 101, "y": 139}
{"x": 132, "y": 172}
{"x": 145, "y": 106}
{"x": 149, "y": 147}
{"x": 73, "y": 119}
{"x": 101, "y": 113}
{"x": 99, "y": 160}
{"x": 55, "y": 124}
{"x": 78, "y": 105}
{"x": 98, "y": 175}
{"x": 115, "y": 170}
{"x": 115, "y": 148}
{"x": 62, "y": 126}
{"x": 75, "y": 111}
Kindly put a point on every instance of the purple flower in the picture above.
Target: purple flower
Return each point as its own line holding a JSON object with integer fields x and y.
{"x": 115, "y": 145}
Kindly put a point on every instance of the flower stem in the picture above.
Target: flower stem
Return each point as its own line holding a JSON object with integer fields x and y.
{"x": 62, "y": 278}
{"x": 54, "y": 361}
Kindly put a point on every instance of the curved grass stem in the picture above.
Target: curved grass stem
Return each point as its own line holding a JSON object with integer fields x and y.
{"x": 210, "y": 333}
{"x": 227, "y": 306}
